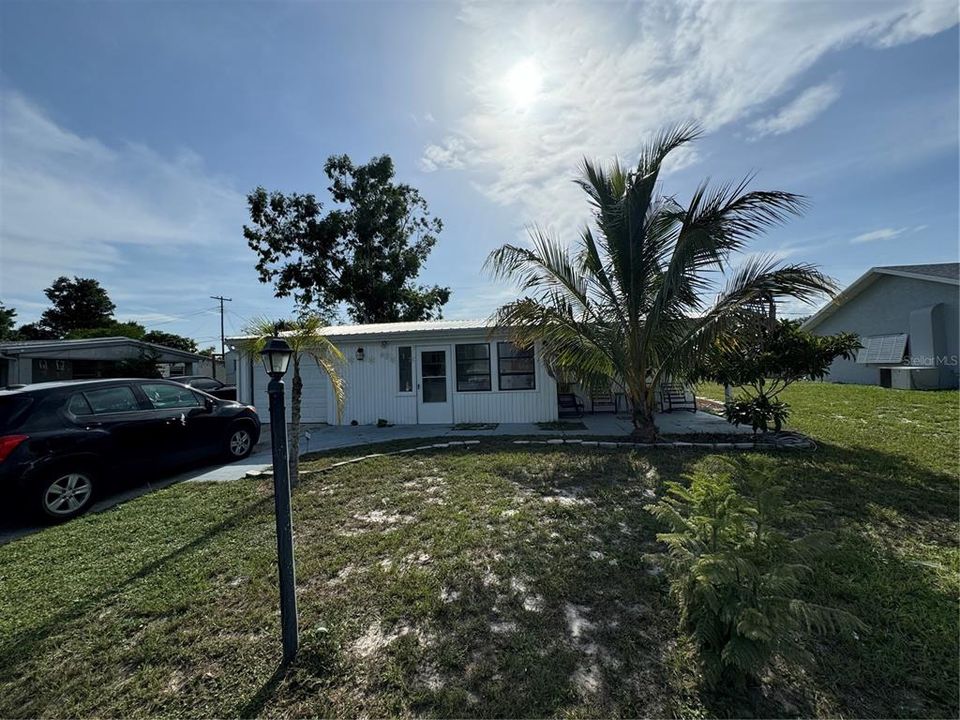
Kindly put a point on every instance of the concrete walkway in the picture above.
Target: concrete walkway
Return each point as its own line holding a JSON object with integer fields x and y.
{"x": 319, "y": 438}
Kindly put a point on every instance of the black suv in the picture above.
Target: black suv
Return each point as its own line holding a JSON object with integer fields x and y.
{"x": 60, "y": 440}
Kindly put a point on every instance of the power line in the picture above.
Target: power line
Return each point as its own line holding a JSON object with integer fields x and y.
{"x": 178, "y": 318}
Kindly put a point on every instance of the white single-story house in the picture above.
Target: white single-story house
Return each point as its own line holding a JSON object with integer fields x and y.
{"x": 432, "y": 372}
{"x": 908, "y": 320}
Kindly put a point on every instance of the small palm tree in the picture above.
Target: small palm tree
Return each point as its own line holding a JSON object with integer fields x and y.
{"x": 637, "y": 301}
{"x": 306, "y": 340}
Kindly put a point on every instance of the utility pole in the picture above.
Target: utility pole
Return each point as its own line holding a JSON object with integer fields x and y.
{"x": 223, "y": 343}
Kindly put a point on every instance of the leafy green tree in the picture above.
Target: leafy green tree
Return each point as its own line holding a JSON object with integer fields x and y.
{"x": 737, "y": 569}
{"x": 7, "y": 322}
{"x": 637, "y": 301}
{"x": 365, "y": 252}
{"x": 76, "y": 304}
{"x": 136, "y": 331}
{"x": 133, "y": 330}
{"x": 762, "y": 358}
{"x": 306, "y": 340}
{"x": 145, "y": 365}
{"x": 170, "y": 340}
{"x": 34, "y": 331}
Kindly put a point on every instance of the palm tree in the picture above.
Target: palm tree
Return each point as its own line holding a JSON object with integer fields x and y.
{"x": 306, "y": 341}
{"x": 634, "y": 303}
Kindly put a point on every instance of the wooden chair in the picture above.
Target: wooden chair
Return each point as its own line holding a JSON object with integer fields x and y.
{"x": 602, "y": 402}
{"x": 569, "y": 405}
{"x": 674, "y": 396}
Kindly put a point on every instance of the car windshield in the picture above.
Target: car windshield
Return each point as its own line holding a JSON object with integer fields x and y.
{"x": 13, "y": 410}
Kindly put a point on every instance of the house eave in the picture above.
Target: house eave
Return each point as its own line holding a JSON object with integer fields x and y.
{"x": 50, "y": 348}
{"x": 861, "y": 284}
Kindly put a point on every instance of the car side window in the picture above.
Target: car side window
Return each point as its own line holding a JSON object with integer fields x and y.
{"x": 112, "y": 400}
{"x": 206, "y": 384}
{"x": 164, "y": 397}
{"x": 78, "y": 405}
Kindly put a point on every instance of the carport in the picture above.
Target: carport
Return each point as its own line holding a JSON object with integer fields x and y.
{"x": 32, "y": 361}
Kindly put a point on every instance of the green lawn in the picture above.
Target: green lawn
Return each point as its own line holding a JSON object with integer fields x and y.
{"x": 499, "y": 580}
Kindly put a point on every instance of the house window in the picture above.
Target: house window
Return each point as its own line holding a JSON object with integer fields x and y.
{"x": 515, "y": 367}
{"x": 405, "y": 361}
{"x": 473, "y": 367}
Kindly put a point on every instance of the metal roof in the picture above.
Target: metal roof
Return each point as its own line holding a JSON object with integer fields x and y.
{"x": 422, "y": 327}
{"x": 948, "y": 273}
{"x": 17, "y": 347}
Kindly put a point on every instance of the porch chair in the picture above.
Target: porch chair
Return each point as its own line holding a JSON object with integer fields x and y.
{"x": 602, "y": 402}
{"x": 675, "y": 396}
{"x": 569, "y": 405}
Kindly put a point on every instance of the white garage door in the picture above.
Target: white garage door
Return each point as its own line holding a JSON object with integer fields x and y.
{"x": 315, "y": 388}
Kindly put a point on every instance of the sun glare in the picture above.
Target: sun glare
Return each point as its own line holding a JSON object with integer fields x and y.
{"x": 523, "y": 82}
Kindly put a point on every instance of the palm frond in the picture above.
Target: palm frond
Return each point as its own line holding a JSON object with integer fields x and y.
{"x": 305, "y": 336}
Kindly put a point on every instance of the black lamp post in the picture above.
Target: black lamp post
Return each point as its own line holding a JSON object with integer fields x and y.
{"x": 276, "y": 359}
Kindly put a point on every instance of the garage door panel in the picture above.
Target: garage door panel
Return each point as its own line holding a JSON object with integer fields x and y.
{"x": 313, "y": 407}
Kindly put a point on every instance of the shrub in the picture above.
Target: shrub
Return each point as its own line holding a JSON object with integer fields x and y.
{"x": 759, "y": 412}
{"x": 737, "y": 575}
{"x": 766, "y": 357}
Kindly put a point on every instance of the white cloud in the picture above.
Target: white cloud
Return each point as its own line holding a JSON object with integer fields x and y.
{"x": 612, "y": 75}
{"x": 72, "y": 205}
{"x": 799, "y": 111}
{"x": 478, "y": 302}
{"x": 919, "y": 20}
{"x": 451, "y": 154}
{"x": 681, "y": 158}
{"x": 885, "y": 234}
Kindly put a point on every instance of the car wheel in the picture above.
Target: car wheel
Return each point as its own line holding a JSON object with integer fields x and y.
{"x": 67, "y": 494}
{"x": 239, "y": 442}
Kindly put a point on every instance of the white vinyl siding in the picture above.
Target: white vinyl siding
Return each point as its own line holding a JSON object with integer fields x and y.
{"x": 373, "y": 387}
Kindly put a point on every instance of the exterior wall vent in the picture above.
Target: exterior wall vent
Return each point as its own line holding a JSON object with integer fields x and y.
{"x": 886, "y": 349}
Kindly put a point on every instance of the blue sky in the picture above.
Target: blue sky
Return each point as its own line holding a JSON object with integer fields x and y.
{"x": 131, "y": 131}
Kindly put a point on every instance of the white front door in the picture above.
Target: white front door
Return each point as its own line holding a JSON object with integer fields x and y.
{"x": 434, "y": 401}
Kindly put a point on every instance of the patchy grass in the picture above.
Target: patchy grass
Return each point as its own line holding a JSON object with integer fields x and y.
{"x": 493, "y": 580}
{"x": 475, "y": 426}
{"x": 562, "y": 425}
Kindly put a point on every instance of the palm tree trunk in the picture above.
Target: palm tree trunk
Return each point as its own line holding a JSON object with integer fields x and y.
{"x": 644, "y": 428}
{"x": 294, "y": 433}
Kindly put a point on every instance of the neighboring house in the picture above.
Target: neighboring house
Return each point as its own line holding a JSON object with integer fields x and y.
{"x": 908, "y": 321}
{"x": 444, "y": 372}
{"x": 24, "y": 362}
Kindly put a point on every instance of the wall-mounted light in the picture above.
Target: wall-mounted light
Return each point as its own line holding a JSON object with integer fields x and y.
{"x": 360, "y": 354}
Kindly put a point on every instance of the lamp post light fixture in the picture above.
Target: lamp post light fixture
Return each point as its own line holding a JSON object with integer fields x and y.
{"x": 276, "y": 360}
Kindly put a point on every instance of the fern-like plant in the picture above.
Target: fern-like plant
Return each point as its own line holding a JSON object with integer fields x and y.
{"x": 736, "y": 573}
